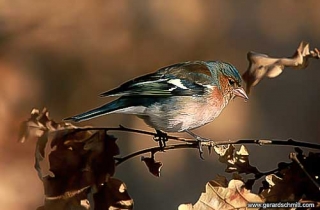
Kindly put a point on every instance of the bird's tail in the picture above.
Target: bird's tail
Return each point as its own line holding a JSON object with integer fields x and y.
{"x": 102, "y": 110}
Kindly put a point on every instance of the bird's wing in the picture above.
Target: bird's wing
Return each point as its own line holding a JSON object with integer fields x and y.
{"x": 183, "y": 79}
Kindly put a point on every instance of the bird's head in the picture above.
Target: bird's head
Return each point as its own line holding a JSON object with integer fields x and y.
{"x": 228, "y": 80}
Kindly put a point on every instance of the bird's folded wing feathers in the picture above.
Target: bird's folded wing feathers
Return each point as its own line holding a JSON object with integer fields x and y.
{"x": 184, "y": 79}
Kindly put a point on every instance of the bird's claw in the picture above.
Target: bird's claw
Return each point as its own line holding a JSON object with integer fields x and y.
{"x": 162, "y": 138}
{"x": 209, "y": 149}
{"x": 200, "y": 140}
{"x": 200, "y": 150}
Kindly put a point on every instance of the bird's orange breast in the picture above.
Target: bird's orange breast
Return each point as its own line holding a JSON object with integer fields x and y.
{"x": 216, "y": 98}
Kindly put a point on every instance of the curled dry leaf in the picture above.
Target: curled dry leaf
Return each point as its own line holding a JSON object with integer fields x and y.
{"x": 81, "y": 162}
{"x": 225, "y": 151}
{"x": 292, "y": 184}
{"x": 217, "y": 197}
{"x": 33, "y": 127}
{"x": 236, "y": 161}
{"x": 261, "y": 65}
{"x": 153, "y": 165}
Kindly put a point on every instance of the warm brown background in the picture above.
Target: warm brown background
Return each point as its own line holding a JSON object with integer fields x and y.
{"x": 62, "y": 54}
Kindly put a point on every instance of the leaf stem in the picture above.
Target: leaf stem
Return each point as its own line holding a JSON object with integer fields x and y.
{"x": 153, "y": 150}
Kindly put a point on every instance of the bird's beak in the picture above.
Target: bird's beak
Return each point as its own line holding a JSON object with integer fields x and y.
{"x": 240, "y": 92}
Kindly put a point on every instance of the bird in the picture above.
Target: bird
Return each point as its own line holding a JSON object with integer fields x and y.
{"x": 175, "y": 98}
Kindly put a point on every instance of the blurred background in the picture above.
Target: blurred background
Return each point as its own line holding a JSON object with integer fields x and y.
{"x": 62, "y": 54}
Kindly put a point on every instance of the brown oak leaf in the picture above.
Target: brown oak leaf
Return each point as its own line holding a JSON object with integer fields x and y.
{"x": 261, "y": 65}
{"x": 217, "y": 197}
{"x": 80, "y": 161}
{"x": 153, "y": 165}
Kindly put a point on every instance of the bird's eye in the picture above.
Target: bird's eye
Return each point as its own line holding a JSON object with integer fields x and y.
{"x": 231, "y": 82}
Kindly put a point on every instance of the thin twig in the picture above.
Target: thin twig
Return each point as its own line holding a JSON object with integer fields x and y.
{"x": 153, "y": 150}
{"x": 293, "y": 156}
{"x": 125, "y": 129}
{"x": 289, "y": 142}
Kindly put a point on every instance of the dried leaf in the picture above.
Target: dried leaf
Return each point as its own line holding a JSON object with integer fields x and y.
{"x": 221, "y": 180}
{"x": 77, "y": 163}
{"x": 217, "y": 197}
{"x": 71, "y": 200}
{"x": 63, "y": 205}
{"x": 292, "y": 184}
{"x": 225, "y": 151}
{"x": 279, "y": 189}
{"x": 112, "y": 195}
{"x": 33, "y": 128}
{"x": 153, "y": 166}
{"x": 237, "y": 176}
{"x": 81, "y": 162}
{"x": 236, "y": 161}
{"x": 185, "y": 206}
{"x": 249, "y": 183}
{"x": 261, "y": 65}
{"x": 241, "y": 163}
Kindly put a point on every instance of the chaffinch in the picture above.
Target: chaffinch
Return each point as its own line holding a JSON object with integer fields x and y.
{"x": 176, "y": 98}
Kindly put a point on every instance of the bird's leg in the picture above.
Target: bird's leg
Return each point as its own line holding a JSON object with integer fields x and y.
{"x": 199, "y": 139}
{"x": 162, "y": 138}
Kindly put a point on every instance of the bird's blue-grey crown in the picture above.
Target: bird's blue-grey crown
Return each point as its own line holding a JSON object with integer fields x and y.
{"x": 226, "y": 69}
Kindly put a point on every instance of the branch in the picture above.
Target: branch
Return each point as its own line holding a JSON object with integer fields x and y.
{"x": 211, "y": 143}
{"x": 289, "y": 142}
{"x": 189, "y": 143}
{"x": 125, "y": 129}
{"x": 194, "y": 144}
